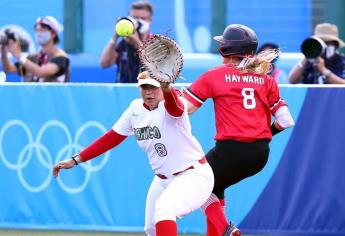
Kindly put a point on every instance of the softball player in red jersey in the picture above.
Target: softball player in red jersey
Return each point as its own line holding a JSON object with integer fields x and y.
{"x": 183, "y": 179}
{"x": 244, "y": 99}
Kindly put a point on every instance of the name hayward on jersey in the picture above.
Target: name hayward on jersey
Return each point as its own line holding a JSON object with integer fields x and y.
{"x": 244, "y": 79}
{"x": 160, "y": 135}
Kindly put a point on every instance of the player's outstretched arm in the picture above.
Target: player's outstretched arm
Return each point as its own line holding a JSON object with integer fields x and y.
{"x": 106, "y": 142}
{"x": 66, "y": 164}
{"x": 172, "y": 103}
{"x": 191, "y": 107}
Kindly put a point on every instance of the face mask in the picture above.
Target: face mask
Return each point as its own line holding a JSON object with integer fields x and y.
{"x": 330, "y": 51}
{"x": 144, "y": 26}
{"x": 43, "y": 37}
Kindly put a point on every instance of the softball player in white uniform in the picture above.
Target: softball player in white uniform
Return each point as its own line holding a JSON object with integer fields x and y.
{"x": 183, "y": 179}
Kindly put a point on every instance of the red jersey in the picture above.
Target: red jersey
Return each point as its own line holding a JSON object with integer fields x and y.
{"x": 243, "y": 102}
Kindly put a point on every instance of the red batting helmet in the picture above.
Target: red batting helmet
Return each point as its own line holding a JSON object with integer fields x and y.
{"x": 237, "y": 40}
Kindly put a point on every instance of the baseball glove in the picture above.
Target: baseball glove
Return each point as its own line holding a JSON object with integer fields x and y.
{"x": 162, "y": 58}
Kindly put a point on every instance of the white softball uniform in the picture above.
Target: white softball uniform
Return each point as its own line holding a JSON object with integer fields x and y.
{"x": 182, "y": 182}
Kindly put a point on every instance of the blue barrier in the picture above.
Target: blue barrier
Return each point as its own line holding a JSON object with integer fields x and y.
{"x": 299, "y": 191}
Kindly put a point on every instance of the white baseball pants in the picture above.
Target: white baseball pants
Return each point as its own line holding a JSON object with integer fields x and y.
{"x": 172, "y": 198}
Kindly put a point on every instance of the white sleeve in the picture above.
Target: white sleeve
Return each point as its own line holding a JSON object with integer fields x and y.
{"x": 123, "y": 125}
{"x": 283, "y": 117}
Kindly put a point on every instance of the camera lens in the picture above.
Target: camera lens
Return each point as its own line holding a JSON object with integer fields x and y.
{"x": 313, "y": 47}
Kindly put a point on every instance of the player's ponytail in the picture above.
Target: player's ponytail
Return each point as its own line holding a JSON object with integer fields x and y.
{"x": 260, "y": 63}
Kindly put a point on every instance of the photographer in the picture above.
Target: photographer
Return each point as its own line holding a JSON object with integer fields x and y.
{"x": 51, "y": 64}
{"x": 326, "y": 68}
{"x": 123, "y": 53}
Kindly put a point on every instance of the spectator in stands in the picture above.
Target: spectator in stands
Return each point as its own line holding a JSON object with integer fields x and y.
{"x": 326, "y": 69}
{"x": 279, "y": 76}
{"x": 50, "y": 64}
{"x": 124, "y": 52}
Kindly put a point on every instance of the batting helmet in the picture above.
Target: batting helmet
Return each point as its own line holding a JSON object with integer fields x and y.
{"x": 237, "y": 40}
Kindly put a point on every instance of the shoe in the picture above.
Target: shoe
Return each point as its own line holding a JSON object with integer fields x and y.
{"x": 232, "y": 230}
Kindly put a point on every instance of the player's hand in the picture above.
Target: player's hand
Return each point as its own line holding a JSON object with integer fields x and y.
{"x": 67, "y": 164}
{"x": 165, "y": 86}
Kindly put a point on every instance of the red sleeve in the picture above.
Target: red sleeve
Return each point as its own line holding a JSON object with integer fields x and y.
{"x": 200, "y": 90}
{"x": 101, "y": 145}
{"x": 274, "y": 99}
{"x": 172, "y": 103}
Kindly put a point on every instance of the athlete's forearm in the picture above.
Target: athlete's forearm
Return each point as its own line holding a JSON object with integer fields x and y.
{"x": 172, "y": 103}
{"x": 283, "y": 120}
{"x": 101, "y": 145}
{"x": 275, "y": 129}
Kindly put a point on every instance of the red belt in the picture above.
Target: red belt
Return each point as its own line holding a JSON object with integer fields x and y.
{"x": 201, "y": 161}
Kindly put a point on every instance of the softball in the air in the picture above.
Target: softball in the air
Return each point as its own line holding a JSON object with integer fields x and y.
{"x": 124, "y": 27}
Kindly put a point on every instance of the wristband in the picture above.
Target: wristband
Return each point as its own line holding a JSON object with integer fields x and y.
{"x": 74, "y": 159}
{"x": 274, "y": 129}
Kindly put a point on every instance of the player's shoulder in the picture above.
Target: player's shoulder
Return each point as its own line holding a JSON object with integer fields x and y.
{"x": 136, "y": 103}
{"x": 270, "y": 79}
{"x": 216, "y": 69}
{"x": 210, "y": 73}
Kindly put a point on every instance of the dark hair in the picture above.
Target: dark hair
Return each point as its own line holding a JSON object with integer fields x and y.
{"x": 56, "y": 39}
{"x": 142, "y": 5}
{"x": 270, "y": 45}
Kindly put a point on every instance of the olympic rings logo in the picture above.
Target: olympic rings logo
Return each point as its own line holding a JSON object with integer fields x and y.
{"x": 35, "y": 148}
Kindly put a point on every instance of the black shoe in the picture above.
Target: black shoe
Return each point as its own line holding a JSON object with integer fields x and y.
{"x": 231, "y": 230}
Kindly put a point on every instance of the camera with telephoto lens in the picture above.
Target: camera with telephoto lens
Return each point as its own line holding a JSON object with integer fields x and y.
{"x": 7, "y": 35}
{"x": 140, "y": 25}
{"x": 313, "y": 47}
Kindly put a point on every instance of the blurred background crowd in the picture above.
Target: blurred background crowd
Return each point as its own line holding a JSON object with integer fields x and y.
{"x": 74, "y": 41}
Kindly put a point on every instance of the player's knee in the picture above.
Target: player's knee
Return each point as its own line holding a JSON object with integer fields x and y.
{"x": 212, "y": 199}
{"x": 164, "y": 210}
